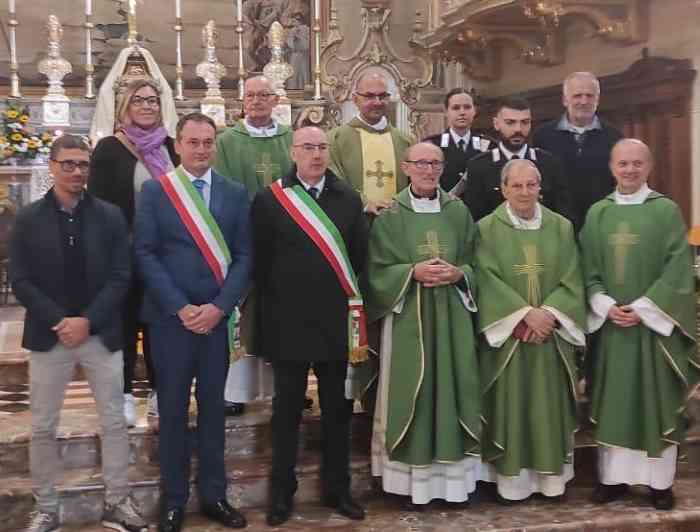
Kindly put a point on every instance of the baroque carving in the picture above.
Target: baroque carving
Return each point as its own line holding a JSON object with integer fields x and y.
{"x": 375, "y": 49}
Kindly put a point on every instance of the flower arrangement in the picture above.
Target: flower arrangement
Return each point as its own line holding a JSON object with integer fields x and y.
{"x": 18, "y": 141}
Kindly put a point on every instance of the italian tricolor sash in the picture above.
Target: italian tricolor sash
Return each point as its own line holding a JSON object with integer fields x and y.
{"x": 307, "y": 214}
{"x": 205, "y": 232}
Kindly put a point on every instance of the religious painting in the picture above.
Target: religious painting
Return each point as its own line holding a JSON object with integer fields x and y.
{"x": 295, "y": 16}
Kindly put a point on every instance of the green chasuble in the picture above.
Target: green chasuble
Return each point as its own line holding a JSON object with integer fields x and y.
{"x": 346, "y": 154}
{"x": 529, "y": 391}
{"x": 255, "y": 162}
{"x": 433, "y": 396}
{"x": 641, "y": 378}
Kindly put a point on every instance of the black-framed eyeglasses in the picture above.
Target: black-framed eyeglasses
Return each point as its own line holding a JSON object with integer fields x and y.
{"x": 69, "y": 165}
{"x": 424, "y": 164}
{"x": 151, "y": 101}
{"x": 308, "y": 147}
{"x": 382, "y": 96}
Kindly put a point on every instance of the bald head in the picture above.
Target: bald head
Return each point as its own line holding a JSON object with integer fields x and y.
{"x": 633, "y": 144}
{"x": 519, "y": 166}
{"x": 310, "y": 153}
{"x": 631, "y": 163}
{"x": 371, "y": 97}
{"x": 423, "y": 148}
{"x": 370, "y": 78}
{"x": 306, "y": 132}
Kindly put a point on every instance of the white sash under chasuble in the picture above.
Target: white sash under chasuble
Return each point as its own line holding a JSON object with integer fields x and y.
{"x": 379, "y": 166}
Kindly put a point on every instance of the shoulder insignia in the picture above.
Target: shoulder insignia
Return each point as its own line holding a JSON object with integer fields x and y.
{"x": 444, "y": 140}
{"x": 495, "y": 155}
{"x": 533, "y": 154}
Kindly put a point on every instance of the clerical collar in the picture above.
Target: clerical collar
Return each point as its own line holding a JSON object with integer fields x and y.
{"x": 424, "y": 205}
{"x": 269, "y": 130}
{"x": 456, "y": 138}
{"x": 318, "y": 186}
{"x": 379, "y": 126}
{"x": 206, "y": 177}
{"x": 509, "y": 154}
{"x": 521, "y": 223}
{"x": 636, "y": 198}
{"x": 565, "y": 125}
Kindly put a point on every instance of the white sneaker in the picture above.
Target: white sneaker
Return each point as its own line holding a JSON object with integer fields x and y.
{"x": 152, "y": 408}
{"x": 130, "y": 410}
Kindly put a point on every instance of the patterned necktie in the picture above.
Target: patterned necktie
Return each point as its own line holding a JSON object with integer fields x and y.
{"x": 199, "y": 186}
{"x": 461, "y": 144}
{"x": 313, "y": 192}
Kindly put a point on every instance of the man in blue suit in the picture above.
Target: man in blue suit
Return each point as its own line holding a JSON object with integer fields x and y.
{"x": 193, "y": 251}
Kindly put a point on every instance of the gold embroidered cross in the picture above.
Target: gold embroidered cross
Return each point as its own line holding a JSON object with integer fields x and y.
{"x": 432, "y": 247}
{"x": 532, "y": 269}
{"x": 266, "y": 168}
{"x": 380, "y": 174}
{"x": 621, "y": 242}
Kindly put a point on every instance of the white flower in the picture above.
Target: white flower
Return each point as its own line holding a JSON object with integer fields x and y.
{"x": 21, "y": 148}
{"x": 44, "y": 150}
{"x": 14, "y": 125}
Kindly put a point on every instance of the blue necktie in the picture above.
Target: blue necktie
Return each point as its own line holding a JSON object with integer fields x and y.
{"x": 199, "y": 186}
{"x": 313, "y": 192}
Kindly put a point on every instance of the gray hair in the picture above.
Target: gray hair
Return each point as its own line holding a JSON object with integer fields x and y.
{"x": 513, "y": 163}
{"x": 580, "y": 75}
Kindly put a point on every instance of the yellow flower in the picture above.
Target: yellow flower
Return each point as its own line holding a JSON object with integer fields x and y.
{"x": 17, "y": 137}
{"x": 45, "y": 136}
{"x": 32, "y": 145}
{"x": 12, "y": 114}
{"x": 3, "y": 139}
{"x": 24, "y": 119}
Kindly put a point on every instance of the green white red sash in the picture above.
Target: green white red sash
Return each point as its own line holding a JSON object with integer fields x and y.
{"x": 204, "y": 231}
{"x": 307, "y": 214}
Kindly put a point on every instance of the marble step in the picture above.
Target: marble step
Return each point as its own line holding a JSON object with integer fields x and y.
{"x": 81, "y": 491}
{"x": 246, "y": 436}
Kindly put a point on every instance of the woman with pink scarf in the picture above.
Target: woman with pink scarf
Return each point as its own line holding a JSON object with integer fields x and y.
{"x": 139, "y": 150}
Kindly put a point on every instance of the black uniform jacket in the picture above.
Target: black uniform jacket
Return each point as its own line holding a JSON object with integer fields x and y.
{"x": 455, "y": 158}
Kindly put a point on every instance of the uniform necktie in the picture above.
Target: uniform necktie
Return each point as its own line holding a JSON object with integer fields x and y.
{"x": 199, "y": 185}
{"x": 313, "y": 192}
{"x": 461, "y": 144}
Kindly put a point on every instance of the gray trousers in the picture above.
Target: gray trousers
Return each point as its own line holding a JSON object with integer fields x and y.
{"x": 50, "y": 373}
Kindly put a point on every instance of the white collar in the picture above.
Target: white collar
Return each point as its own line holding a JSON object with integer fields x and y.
{"x": 456, "y": 138}
{"x": 509, "y": 154}
{"x": 521, "y": 223}
{"x": 206, "y": 177}
{"x": 636, "y": 198}
{"x": 318, "y": 186}
{"x": 379, "y": 126}
{"x": 424, "y": 205}
{"x": 269, "y": 130}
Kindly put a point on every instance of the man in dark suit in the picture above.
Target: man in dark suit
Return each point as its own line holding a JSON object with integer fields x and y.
{"x": 302, "y": 298}
{"x": 457, "y": 142}
{"x": 582, "y": 141}
{"x": 70, "y": 267}
{"x": 512, "y": 122}
{"x": 192, "y": 247}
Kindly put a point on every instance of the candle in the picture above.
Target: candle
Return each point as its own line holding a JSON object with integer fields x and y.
{"x": 178, "y": 13}
{"x": 12, "y": 6}
{"x": 88, "y": 8}
{"x": 317, "y": 9}
{"x": 132, "y": 7}
{"x": 239, "y": 13}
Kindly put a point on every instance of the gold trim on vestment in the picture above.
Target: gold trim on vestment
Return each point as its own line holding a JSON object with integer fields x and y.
{"x": 379, "y": 168}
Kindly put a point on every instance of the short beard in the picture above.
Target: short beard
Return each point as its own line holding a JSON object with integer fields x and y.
{"x": 511, "y": 147}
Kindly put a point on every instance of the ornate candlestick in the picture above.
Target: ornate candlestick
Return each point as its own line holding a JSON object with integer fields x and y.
{"x": 241, "y": 66}
{"x": 317, "y": 48}
{"x": 211, "y": 71}
{"x": 178, "y": 52}
{"x": 56, "y": 105}
{"x": 14, "y": 66}
{"x": 89, "y": 67}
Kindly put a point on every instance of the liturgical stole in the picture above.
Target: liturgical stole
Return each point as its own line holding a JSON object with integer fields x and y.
{"x": 378, "y": 166}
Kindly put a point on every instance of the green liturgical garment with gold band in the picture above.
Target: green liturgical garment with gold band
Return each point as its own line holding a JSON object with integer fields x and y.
{"x": 433, "y": 401}
{"x": 529, "y": 389}
{"x": 641, "y": 378}
{"x": 255, "y": 162}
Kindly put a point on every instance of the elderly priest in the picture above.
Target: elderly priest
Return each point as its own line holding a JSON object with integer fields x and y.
{"x": 425, "y": 442}
{"x": 639, "y": 282}
{"x": 531, "y": 312}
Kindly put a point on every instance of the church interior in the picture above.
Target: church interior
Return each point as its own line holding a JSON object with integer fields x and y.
{"x": 62, "y": 63}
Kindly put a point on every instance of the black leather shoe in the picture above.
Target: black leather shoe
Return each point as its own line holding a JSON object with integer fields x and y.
{"x": 222, "y": 512}
{"x": 604, "y": 493}
{"x": 279, "y": 512}
{"x": 234, "y": 409}
{"x": 663, "y": 499}
{"x": 344, "y": 505}
{"x": 171, "y": 520}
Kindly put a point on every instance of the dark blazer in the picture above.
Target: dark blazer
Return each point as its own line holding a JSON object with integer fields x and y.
{"x": 483, "y": 191}
{"x": 37, "y": 270}
{"x": 112, "y": 173}
{"x": 173, "y": 269}
{"x": 455, "y": 158}
{"x": 302, "y": 308}
{"x": 586, "y": 164}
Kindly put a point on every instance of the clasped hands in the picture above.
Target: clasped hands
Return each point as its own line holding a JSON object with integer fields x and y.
{"x": 375, "y": 207}
{"x": 436, "y": 272}
{"x": 623, "y": 316}
{"x": 200, "y": 319}
{"x": 536, "y": 327}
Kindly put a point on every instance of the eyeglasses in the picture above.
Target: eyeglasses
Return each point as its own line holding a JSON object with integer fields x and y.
{"x": 69, "y": 165}
{"x": 423, "y": 164}
{"x": 381, "y": 97}
{"x": 258, "y": 95}
{"x": 151, "y": 101}
{"x": 308, "y": 147}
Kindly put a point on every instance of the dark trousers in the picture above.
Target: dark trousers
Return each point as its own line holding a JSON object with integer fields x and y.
{"x": 179, "y": 357}
{"x": 132, "y": 326}
{"x": 336, "y": 411}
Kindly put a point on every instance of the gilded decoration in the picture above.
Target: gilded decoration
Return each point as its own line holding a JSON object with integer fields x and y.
{"x": 475, "y": 32}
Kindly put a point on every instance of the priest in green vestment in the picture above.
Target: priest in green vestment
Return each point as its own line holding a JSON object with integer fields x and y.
{"x": 531, "y": 314}
{"x": 638, "y": 271}
{"x": 255, "y": 152}
{"x": 425, "y": 441}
